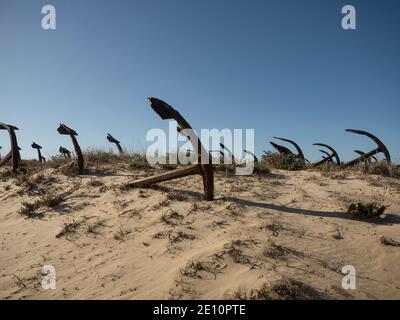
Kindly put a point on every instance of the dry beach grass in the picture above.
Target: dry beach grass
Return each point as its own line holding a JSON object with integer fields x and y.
{"x": 274, "y": 235}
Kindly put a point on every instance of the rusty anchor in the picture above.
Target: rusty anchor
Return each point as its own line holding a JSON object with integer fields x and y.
{"x": 116, "y": 142}
{"x": 251, "y": 154}
{"x": 300, "y": 153}
{"x": 329, "y": 157}
{"x": 282, "y": 149}
{"x": 326, "y": 154}
{"x": 64, "y": 130}
{"x": 361, "y": 153}
{"x": 65, "y": 152}
{"x": 380, "y": 149}
{"x": 37, "y": 147}
{"x": 221, "y": 154}
{"x": 165, "y": 111}
{"x": 229, "y": 152}
{"x": 14, "y": 155}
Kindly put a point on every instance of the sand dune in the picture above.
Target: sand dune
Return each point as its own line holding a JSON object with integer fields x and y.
{"x": 107, "y": 242}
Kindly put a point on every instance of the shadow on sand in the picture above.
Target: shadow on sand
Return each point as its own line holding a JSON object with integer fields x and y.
{"x": 388, "y": 219}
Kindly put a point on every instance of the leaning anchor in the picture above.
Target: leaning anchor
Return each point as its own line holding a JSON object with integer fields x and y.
{"x": 361, "y": 153}
{"x": 14, "y": 155}
{"x": 165, "y": 111}
{"x": 63, "y": 129}
{"x": 332, "y": 156}
{"x": 300, "y": 153}
{"x": 37, "y": 147}
{"x": 381, "y": 148}
{"x": 282, "y": 149}
{"x": 327, "y": 154}
{"x": 116, "y": 142}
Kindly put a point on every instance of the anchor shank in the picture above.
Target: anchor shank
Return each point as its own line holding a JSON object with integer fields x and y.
{"x": 324, "y": 160}
{"x": 361, "y": 158}
{"x": 78, "y": 152}
{"x": 39, "y": 154}
{"x": 119, "y": 148}
{"x": 6, "y": 159}
{"x": 175, "y": 174}
{"x": 14, "y": 150}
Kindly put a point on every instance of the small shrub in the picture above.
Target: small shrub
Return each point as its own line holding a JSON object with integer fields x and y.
{"x": 262, "y": 167}
{"x": 93, "y": 227}
{"x": 382, "y": 168}
{"x": 366, "y": 210}
{"x": 180, "y": 236}
{"x": 138, "y": 161}
{"x": 68, "y": 229}
{"x": 29, "y": 209}
{"x": 121, "y": 234}
{"x": 282, "y": 161}
{"x": 52, "y": 200}
{"x": 171, "y": 217}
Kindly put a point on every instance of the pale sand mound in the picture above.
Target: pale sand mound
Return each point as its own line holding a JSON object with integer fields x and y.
{"x": 167, "y": 243}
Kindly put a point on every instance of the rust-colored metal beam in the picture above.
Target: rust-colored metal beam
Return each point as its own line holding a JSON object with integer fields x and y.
{"x": 38, "y": 147}
{"x": 116, "y": 142}
{"x": 14, "y": 155}
{"x": 381, "y": 148}
{"x": 333, "y": 155}
{"x": 203, "y": 167}
{"x": 64, "y": 130}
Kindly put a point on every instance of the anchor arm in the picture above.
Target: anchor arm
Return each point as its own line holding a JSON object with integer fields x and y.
{"x": 300, "y": 153}
{"x": 334, "y": 153}
{"x": 281, "y": 149}
{"x": 252, "y": 154}
{"x": 116, "y": 142}
{"x": 381, "y": 148}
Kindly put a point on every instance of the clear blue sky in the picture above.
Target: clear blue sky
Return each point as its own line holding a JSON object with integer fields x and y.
{"x": 285, "y": 68}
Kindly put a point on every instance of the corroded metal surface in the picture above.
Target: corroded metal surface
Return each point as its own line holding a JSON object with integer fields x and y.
{"x": 361, "y": 153}
{"x": 14, "y": 155}
{"x": 333, "y": 155}
{"x": 116, "y": 142}
{"x": 380, "y": 149}
{"x": 64, "y": 130}
{"x": 38, "y": 147}
{"x": 281, "y": 149}
{"x": 300, "y": 153}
